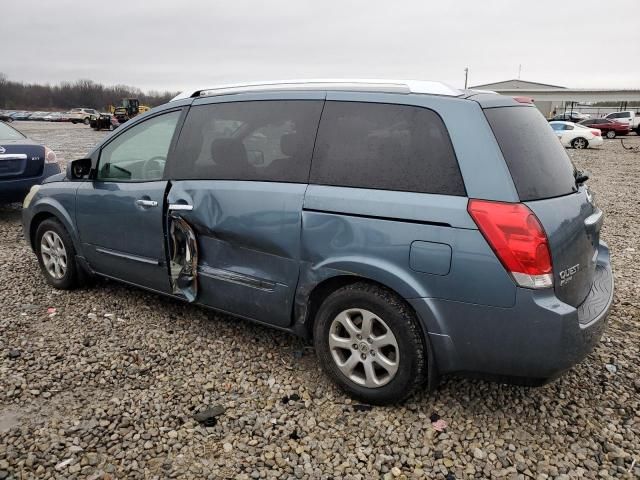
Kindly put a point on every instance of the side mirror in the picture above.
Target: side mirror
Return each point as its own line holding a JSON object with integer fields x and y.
{"x": 79, "y": 169}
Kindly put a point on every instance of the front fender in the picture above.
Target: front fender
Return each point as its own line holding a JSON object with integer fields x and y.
{"x": 59, "y": 203}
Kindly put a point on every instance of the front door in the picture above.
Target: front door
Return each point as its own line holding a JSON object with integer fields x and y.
{"x": 120, "y": 212}
{"x": 238, "y": 179}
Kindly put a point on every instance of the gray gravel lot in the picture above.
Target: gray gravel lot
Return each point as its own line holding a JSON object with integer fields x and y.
{"x": 106, "y": 387}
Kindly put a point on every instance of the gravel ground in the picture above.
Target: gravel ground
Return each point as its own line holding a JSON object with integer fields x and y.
{"x": 106, "y": 386}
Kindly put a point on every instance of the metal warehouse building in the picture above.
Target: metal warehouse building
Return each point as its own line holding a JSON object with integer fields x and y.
{"x": 554, "y": 97}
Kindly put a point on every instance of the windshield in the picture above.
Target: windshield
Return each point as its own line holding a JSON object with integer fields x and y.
{"x": 8, "y": 133}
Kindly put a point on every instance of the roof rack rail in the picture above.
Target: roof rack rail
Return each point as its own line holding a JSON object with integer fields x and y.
{"x": 358, "y": 85}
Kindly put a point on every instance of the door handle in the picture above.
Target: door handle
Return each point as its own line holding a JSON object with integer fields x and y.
{"x": 146, "y": 203}
{"x": 180, "y": 206}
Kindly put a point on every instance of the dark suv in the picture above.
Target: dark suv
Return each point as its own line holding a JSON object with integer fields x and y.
{"x": 408, "y": 228}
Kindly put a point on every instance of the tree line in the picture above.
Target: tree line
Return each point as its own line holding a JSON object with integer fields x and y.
{"x": 66, "y": 95}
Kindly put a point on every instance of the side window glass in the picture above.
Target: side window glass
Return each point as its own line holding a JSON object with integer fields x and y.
{"x": 269, "y": 140}
{"x": 140, "y": 153}
{"x": 387, "y": 147}
{"x": 264, "y": 145}
{"x": 568, "y": 127}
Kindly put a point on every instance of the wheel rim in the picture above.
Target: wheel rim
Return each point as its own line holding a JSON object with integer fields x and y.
{"x": 579, "y": 143}
{"x": 364, "y": 348}
{"x": 611, "y": 134}
{"x": 54, "y": 255}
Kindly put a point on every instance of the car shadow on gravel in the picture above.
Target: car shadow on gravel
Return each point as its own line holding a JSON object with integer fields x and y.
{"x": 10, "y": 212}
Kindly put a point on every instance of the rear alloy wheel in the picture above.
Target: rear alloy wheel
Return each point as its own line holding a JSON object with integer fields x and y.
{"x": 364, "y": 348}
{"x": 579, "y": 143}
{"x": 611, "y": 134}
{"x": 86, "y": 121}
{"x": 56, "y": 255}
{"x": 369, "y": 343}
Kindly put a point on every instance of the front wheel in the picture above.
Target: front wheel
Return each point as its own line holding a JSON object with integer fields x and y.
{"x": 611, "y": 134}
{"x": 579, "y": 143}
{"x": 56, "y": 255}
{"x": 369, "y": 342}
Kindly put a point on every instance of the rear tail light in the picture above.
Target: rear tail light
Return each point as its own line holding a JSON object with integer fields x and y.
{"x": 596, "y": 132}
{"x": 518, "y": 240}
{"x": 49, "y": 156}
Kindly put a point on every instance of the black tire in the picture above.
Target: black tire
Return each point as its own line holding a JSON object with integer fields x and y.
{"x": 576, "y": 143}
{"x": 86, "y": 121}
{"x": 611, "y": 134}
{"x": 72, "y": 276}
{"x": 412, "y": 349}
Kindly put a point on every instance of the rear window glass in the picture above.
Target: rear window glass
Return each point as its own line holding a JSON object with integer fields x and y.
{"x": 386, "y": 147}
{"x": 539, "y": 164}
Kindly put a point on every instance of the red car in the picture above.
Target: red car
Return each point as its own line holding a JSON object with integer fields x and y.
{"x": 609, "y": 128}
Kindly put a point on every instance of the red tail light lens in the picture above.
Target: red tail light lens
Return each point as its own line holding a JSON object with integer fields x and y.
{"x": 518, "y": 240}
{"x": 596, "y": 132}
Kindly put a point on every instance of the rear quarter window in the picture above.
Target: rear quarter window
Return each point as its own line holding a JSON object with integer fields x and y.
{"x": 385, "y": 147}
{"x": 539, "y": 164}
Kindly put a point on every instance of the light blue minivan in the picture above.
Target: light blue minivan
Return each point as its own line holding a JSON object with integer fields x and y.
{"x": 408, "y": 228}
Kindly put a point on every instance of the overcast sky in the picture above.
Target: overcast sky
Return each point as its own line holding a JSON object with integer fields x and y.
{"x": 178, "y": 44}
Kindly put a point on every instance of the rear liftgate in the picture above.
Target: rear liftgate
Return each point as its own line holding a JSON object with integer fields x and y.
{"x": 183, "y": 258}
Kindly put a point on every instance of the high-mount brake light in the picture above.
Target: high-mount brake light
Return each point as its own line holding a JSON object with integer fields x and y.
{"x": 523, "y": 99}
{"x": 518, "y": 240}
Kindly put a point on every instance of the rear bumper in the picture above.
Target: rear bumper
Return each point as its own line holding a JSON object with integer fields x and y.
{"x": 539, "y": 337}
{"x": 15, "y": 189}
{"x": 596, "y": 142}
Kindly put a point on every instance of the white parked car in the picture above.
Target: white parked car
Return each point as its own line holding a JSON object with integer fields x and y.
{"x": 81, "y": 115}
{"x": 577, "y": 136}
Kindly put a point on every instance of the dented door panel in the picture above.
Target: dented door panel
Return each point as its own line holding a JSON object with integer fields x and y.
{"x": 247, "y": 236}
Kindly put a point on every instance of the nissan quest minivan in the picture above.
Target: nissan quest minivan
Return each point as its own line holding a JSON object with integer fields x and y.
{"x": 409, "y": 229}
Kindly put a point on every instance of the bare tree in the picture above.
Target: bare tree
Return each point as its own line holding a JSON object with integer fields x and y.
{"x": 66, "y": 95}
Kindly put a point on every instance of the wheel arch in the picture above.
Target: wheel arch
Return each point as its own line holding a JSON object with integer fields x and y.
{"x": 50, "y": 208}
{"x": 307, "y": 306}
{"x": 314, "y": 288}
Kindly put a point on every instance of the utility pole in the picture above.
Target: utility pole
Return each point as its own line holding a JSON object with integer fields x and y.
{"x": 466, "y": 77}
{"x": 519, "y": 71}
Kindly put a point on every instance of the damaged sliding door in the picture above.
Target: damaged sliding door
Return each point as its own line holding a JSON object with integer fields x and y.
{"x": 183, "y": 254}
